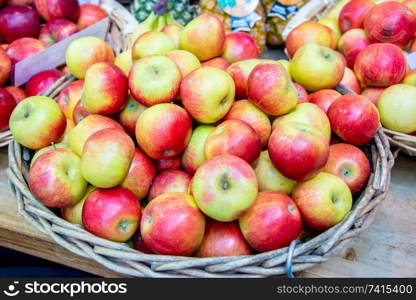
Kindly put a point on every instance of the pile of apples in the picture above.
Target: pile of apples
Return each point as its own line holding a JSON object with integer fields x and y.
{"x": 196, "y": 148}
{"x": 373, "y": 40}
{"x": 28, "y": 27}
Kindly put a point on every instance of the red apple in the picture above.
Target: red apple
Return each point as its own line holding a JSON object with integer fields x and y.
{"x": 140, "y": 175}
{"x": 239, "y": 46}
{"x": 350, "y": 81}
{"x": 240, "y": 71}
{"x": 19, "y": 2}
{"x": 41, "y": 82}
{"x": 169, "y": 182}
{"x": 269, "y": 86}
{"x": 18, "y": 21}
{"x": 247, "y": 112}
{"x": 217, "y": 62}
{"x": 23, "y": 48}
{"x": 139, "y": 244}
{"x": 272, "y": 222}
{"x": 172, "y": 224}
{"x": 350, "y": 164}
{"x": 113, "y": 214}
{"x": 233, "y": 137}
{"x": 5, "y": 66}
{"x": 324, "y": 98}
{"x": 380, "y": 65}
{"x": 171, "y": 125}
{"x": 129, "y": 115}
{"x": 223, "y": 239}
{"x": 79, "y": 113}
{"x": 351, "y": 43}
{"x": 89, "y": 14}
{"x": 353, "y": 13}
{"x": 297, "y": 150}
{"x": 58, "y": 9}
{"x": 55, "y": 178}
{"x": 18, "y": 94}
{"x": 372, "y": 94}
{"x": 354, "y": 119}
{"x": 165, "y": 164}
{"x": 56, "y": 30}
{"x": 105, "y": 89}
{"x": 7, "y": 104}
{"x": 390, "y": 22}
{"x": 302, "y": 93}
{"x": 69, "y": 97}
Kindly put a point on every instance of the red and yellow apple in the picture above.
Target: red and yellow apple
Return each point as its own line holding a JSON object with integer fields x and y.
{"x": 152, "y": 43}
{"x": 352, "y": 43}
{"x": 240, "y": 71}
{"x": 41, "y": 82}
{"x": 56, "y": 30}
{"x": 89, "y": 14}
{"x": 5, "y": 66}
{"x": 171, "y": 181}
{"x": 7, "y": 104}
{"x": 174, "y": 32}
{"x": 217, "y": 62}
{"x": 58, "y": 9}
{"x": 239, "y": 46}
{"x": 353, "y": 13}
{"x": 129, "y": 115}
{"x": 372, "y": 94}
{"x": 350, "y": 81}
{"x": 23, "y": 48}
{"x": 124, "y": 61}
{"x": 324, "y": 98}
{"x": 69, "y": 97}
{"x": 185, "y": 61}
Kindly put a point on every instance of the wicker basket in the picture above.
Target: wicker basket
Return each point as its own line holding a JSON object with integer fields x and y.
{"x": 122, "y": 24}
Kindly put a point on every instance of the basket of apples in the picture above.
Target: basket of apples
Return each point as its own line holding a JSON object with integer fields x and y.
{"x": 28, "y": 27}
{"x": 376, "y": 38}
{"x": 173, "y": 172}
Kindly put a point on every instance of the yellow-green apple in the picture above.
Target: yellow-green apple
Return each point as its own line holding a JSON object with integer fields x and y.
{"x": 186, "y": 61}
{"x": 332, "y": 24}
{"x": 307, "y": 113}
{"x": 285, "y": 64}
{"x": 87, "y": 127}
{"x": 154, "y": 79}
{"x": 309, "y": 32}
{"x": 93, "y": 50}
{"x": 174, "y": 32}
{"x": 207, "y": 94}
{"x": 324, "y": 98}
{"x": 18, "y": 93}
{"x": 270, "y": 87}
{"x": 56, "y": 30}
{"x": 317, "y": 67}
{"x": 299, "y": 151}
{"x": 79, "y": 113}
{"x": 171, "y": 181}
{"x": 194, "y": 155}
{"x": 223, "y": 239}
{"x": 390, "y": 22}
{"x": 36, "y": 122}
{"x": 372, "y": 94}
{"x": 240, "y": 71}
{"x": 113, "y": 214}
{"x": 43, "y": 150}
{"x": 106, "y": 157}
{"x": 204, "y": 36}
{"x": 58, "y": 9}
{"x": 41, "y": 82}
{"x": 18, "y": 21}
{"x": 350, "y": 164}
{"x": 239, "y": 46}
{"x": 7, "y": 104}
{"x": 152, "y": 43}
{"x": 353, "y": 13}
{"x": 233, "y": 137}
{"x": 129, "y": 115}
{"x": 247, "y": 112}
{"x": 272, "y": 222}
{"x": 55, "y": 178}
{"x": 5, "y": 66}
{"x": 302, "y": 94}
{"x": 171, "y": 125}
{"x": 65, "y": 137}
{"x": 73, "y": 213}
{"x": 140, "y": 175}
{"x": 124, "y": 61}
{"x": 323, "y": 201}
{"x": 23, "y": 48}
{"x": 410, "y": 78}
{"x": 69, "y": 97}
{"x": 380, "y": 65}
{"x": 352, "y": 43}
{"x": 350, "y": 81}
{"x": 170, "y": 163}
{"x": 397, "y": 106}
{"x": 269, "y": 178}
{"x": 354, "y": 119}
{"x": 217, "y": 62}
{"x": 105, "y": 89}
{"x": 224, "y": 187}
{"x": 172, "y": 224}
{"x": 89, "y": 14}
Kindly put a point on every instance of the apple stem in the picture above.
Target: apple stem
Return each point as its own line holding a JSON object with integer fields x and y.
{"x": 160, "y": 7}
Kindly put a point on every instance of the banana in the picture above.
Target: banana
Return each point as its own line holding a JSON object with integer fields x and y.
{"x": 161, "y": 22}
{"x": 170, "y": 19}
{"x": 147, "y": 25}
